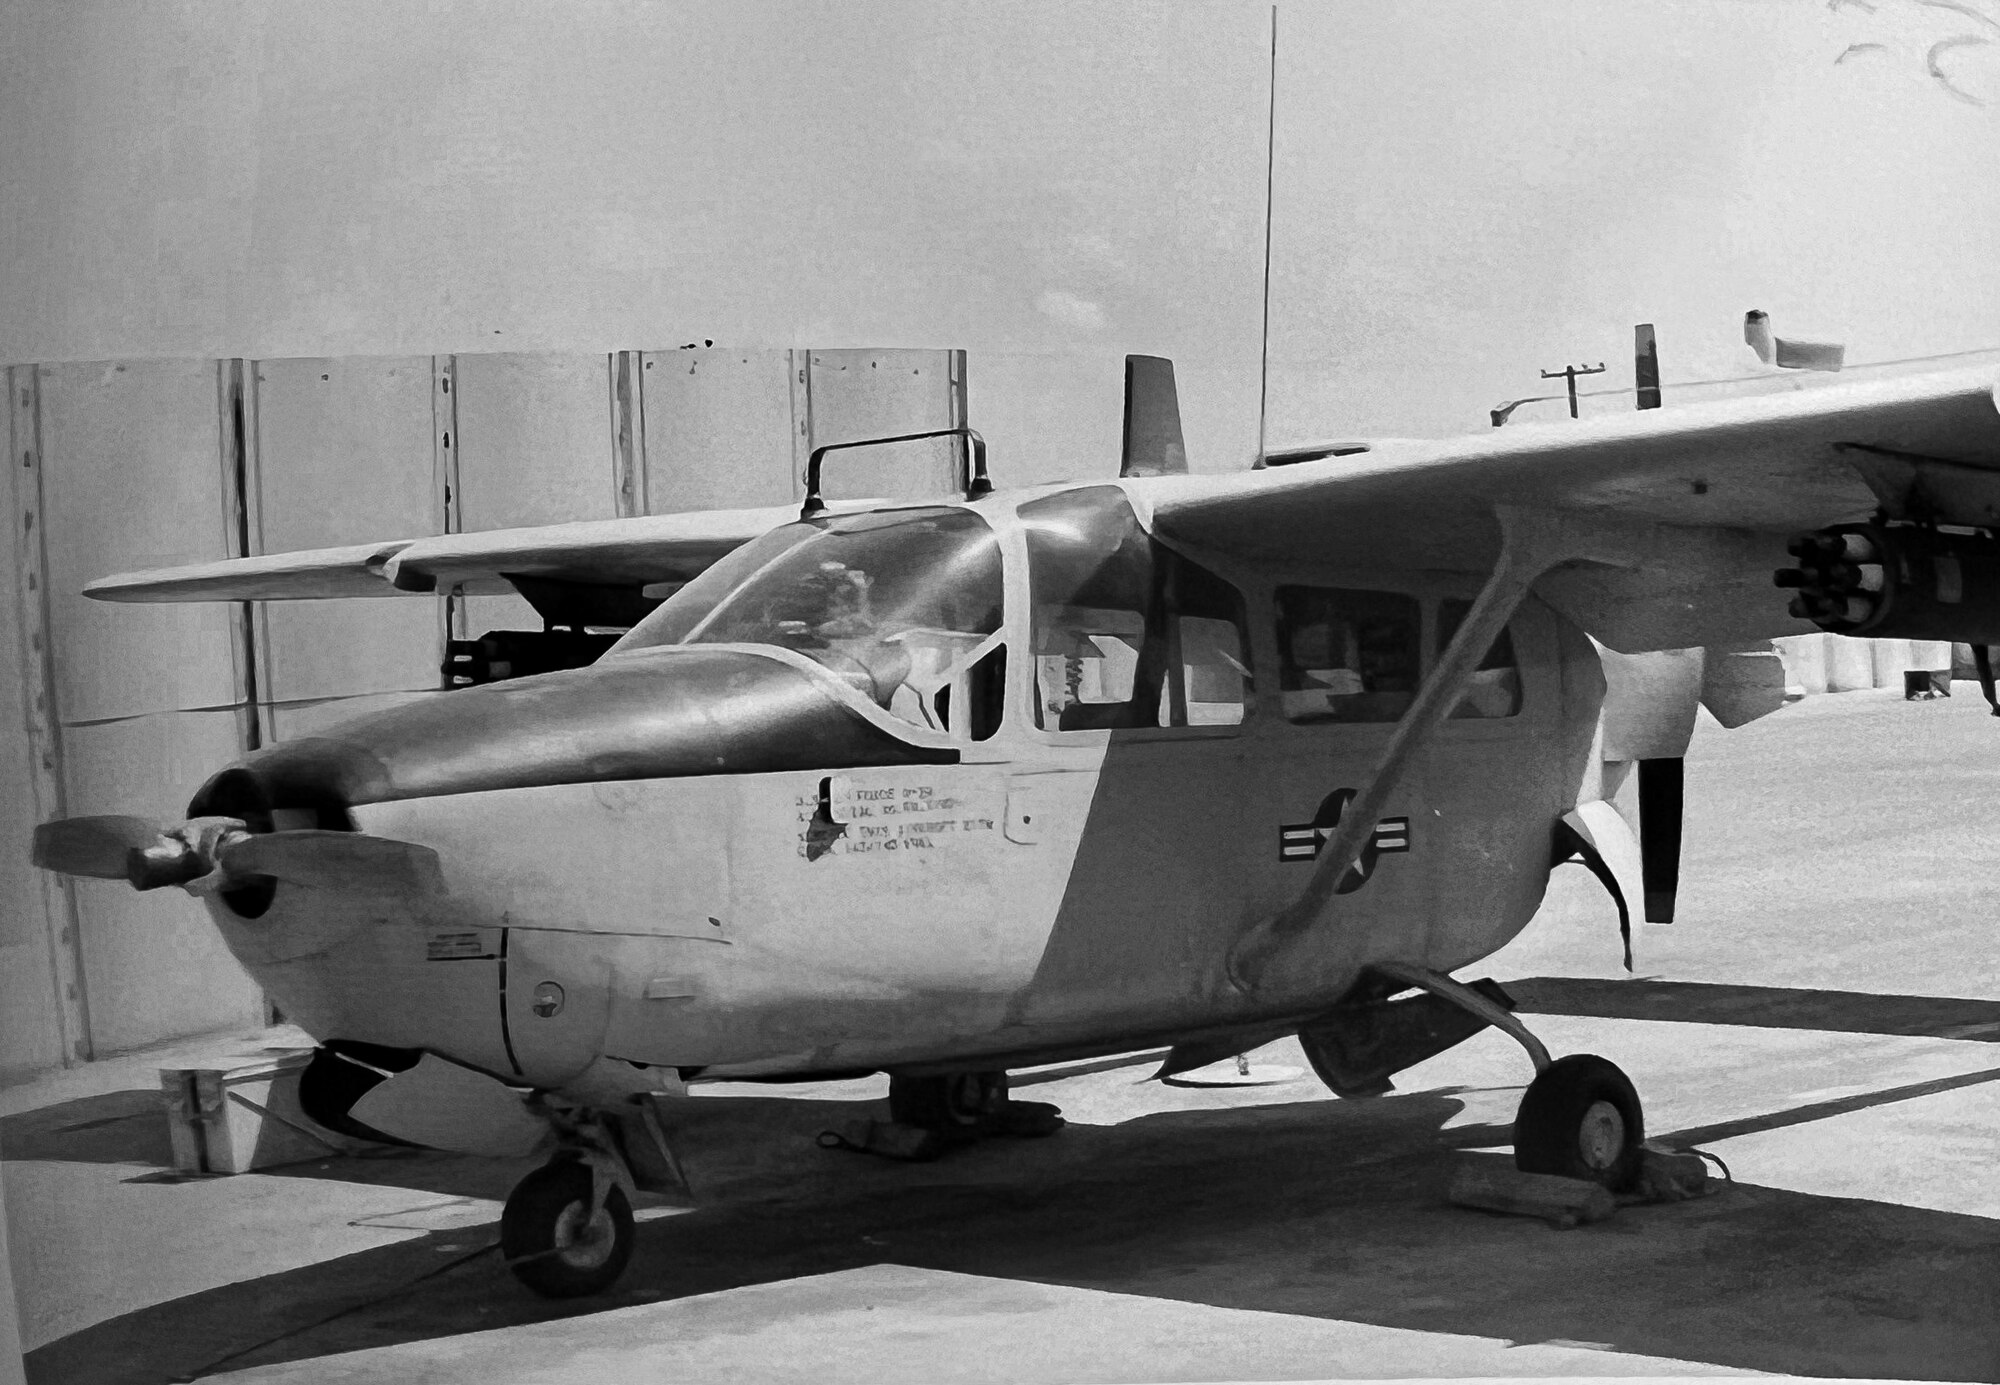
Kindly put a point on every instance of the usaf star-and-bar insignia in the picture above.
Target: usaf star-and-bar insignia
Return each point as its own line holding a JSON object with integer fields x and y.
{"x": 1303, "y": 841}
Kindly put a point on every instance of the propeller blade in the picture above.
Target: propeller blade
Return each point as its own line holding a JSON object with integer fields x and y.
{"x": 350, "y": 861}
{"x": 1660, "y": 794}
{"x": 96, "y": 847}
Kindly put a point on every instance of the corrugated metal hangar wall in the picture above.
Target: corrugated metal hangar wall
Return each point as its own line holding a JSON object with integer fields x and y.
{"x": 126, "y": 465}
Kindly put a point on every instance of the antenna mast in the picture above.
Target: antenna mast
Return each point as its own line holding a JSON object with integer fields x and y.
{"x": 1270, "y": 163}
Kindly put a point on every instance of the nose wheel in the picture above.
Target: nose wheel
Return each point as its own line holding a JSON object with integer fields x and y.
{"x": 1580, "y": 1118}
{"x": 560, "y": 1237}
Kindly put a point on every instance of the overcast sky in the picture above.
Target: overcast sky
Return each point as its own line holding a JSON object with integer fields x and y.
{"x": 1466, "y": 192}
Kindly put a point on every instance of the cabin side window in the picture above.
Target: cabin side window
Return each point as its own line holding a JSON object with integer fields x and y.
{"x": 1347, "y": 655}
{"x": 1126, "y": 632}
{"x": 1495, "y": 689}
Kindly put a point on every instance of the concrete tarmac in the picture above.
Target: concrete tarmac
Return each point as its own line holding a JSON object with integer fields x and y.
{"x": 1825, "y": 1016}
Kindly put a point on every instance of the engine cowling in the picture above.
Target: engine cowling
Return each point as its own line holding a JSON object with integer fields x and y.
{"x": 1897, "y": 582}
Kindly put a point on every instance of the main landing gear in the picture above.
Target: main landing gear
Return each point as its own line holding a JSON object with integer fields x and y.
{"x": 964, "y": 1106}
{"x": 930, "y": 1116}
{"x": 1579, "y": 1118}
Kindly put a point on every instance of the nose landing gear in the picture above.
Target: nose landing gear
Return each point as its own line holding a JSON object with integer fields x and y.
{"x": 566, "y": 1230}
{"x": 563, "y": 1234}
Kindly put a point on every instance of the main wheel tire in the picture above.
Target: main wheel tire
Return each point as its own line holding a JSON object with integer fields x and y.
{"x": 553, "y": 1244}
{"x": 954, "y": 1104}
{"x": 1580, "y": 1118}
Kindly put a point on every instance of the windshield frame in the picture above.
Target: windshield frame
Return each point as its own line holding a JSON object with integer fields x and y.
{"x": 898, "y": 697}
{"x": 709, "y": 576}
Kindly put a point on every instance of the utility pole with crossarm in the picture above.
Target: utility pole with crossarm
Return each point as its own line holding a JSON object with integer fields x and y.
{"x": 1569, "y": 373}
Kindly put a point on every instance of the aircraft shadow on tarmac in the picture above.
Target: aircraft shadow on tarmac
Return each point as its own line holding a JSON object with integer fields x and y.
{"x": 1321, "y": 1208}
{"x": 125, "y": 1127}
{"x": 1767, "y": 1007}
{"x": 128, "y": 1127}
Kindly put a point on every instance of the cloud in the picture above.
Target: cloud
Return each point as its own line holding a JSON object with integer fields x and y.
{"x": 1070, "y": 310}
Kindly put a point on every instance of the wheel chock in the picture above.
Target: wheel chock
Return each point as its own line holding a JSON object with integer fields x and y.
{"x": 1492, "y": 1183}
{"x": 1669, "y": 1175}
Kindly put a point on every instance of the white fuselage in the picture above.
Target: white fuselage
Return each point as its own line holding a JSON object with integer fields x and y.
{"x": 1052, "y": 893}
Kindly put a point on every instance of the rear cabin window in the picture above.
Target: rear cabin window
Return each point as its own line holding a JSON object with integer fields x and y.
{"x": 1495, "y": 690}
{"x": 1125, "y": 631}
{"x": 1347, "y": 655}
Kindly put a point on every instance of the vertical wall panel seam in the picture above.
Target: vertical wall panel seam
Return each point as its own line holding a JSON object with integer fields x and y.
{"x": 233, "y": 426}
{"x": 236, "y": 431}
{"x": 621, "y": 480}
{"x": 802, "y": 419}
{"x": 446, "y": 451}
{"x": 628, "y": 433}
{"x": 641, "y": 499}
{"x": 957, "y": 411}
{"x": 62, "y": 919}
{"x": 253, "y": 499}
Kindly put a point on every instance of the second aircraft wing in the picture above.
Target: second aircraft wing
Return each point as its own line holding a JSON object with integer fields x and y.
{"x": 1714, "y": 489}
{"x": 625, "y": 553}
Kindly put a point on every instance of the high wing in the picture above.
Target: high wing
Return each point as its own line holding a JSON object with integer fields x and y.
{"x": 1709, "y": 492}
{"x": 631, "y": 554}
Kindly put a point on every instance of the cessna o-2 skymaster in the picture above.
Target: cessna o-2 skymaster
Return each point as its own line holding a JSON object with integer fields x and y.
{"x": 940, "y": 789}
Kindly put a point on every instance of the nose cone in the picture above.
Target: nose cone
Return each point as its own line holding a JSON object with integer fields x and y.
{"x": 661, "y": 713}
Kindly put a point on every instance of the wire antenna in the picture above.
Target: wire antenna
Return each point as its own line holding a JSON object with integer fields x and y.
{"x": 1270, "y": 165}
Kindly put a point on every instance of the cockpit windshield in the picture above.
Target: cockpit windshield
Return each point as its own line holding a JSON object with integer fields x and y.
{"x": 899, "y": 604}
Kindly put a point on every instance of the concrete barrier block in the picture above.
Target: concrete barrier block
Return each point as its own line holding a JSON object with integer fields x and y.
{"x": 1805, "y": 661}
{"x": 1850, "y": 664}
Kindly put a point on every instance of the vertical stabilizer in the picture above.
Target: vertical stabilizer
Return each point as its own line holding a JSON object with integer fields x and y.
{"x": 1153, "y": 442}
{"x": 1646, "y": 366}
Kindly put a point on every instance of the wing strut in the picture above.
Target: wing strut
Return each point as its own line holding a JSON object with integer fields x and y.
{"x": 1532, "y": 542}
